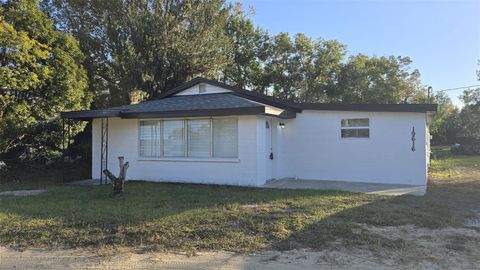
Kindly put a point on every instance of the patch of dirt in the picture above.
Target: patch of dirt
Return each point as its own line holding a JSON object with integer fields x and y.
{"x": 474, "y": 220}
{"x": 252, "y": 206}
{"x": 21, "y": 193}
{"x": 448, "y": 248}
{"x": 468, "y": 170}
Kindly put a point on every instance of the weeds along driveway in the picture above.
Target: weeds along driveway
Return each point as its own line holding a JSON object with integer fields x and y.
{"x": 191, "y": 218}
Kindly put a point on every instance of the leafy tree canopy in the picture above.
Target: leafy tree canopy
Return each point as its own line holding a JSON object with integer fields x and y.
{"x": 40, "y": 75}
{"x": 129, "y": 51}
{"x": 151, "y": 46}
{"x": 462, "y": 125}
{"x": 366, "y": 79}
{"x": 146, "y": 45}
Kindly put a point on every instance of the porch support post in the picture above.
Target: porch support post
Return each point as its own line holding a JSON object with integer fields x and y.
{"x": 104, "y": 150}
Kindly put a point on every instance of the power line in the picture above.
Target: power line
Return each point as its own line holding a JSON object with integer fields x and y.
{"x": 457, "y": 88}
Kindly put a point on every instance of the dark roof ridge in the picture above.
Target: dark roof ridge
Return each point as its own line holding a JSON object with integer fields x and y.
{"x": 269, "y": 100}
{"x": 299, "y": 106}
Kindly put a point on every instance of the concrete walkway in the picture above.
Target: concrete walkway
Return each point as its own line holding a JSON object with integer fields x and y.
{"x": 369, "y": 188}
{"x": 22, "y": 193}
{"x": 86, "y": 182}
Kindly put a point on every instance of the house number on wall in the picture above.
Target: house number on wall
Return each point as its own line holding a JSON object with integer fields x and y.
{"x": 413, "y": 139}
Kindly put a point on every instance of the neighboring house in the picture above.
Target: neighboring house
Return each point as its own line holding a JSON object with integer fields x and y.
{"x": 204, "y": 131}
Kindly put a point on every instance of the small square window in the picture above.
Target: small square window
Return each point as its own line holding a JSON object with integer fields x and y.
{"x": 355, "y": 128}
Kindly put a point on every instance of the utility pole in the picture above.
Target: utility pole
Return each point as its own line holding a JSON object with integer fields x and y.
{"x": 429, "y": 92}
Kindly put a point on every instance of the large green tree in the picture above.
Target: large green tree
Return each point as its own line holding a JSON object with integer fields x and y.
{"x": 40, "y": 75}
{"x": 469, "y": 118}
{"x": 463, "y": 126}
{"x": 249, "y": 50}
{"x": 446, "y": 111}
{"x": 146, "y": 45}
{"x": 141, "y": 48}
{"x": 365, "y": 79}
{"x": 302, "y": 69}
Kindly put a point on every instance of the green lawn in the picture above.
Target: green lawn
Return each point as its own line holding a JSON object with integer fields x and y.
{"x": 200, "y": 217}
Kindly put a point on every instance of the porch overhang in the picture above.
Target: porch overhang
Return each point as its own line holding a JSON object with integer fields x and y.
{"x": 219, "y": 104}
{"x": 89, "y": 114}
{"x": 92, "y": 114}
{"x": 193, "y": 113}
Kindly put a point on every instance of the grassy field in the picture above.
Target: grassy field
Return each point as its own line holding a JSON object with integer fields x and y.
{"x": 200, "y": 217}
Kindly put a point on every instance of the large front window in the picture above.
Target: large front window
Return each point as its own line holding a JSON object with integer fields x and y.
{"x": 196, "y": 138}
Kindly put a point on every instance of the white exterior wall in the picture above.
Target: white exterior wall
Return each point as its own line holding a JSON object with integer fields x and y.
{"x": 123, "y": 141}
{"x": 209, "y": 89}
{"x": 311, "y": 147}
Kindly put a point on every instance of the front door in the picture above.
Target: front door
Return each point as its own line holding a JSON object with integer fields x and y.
{"x": 270, "y": 155}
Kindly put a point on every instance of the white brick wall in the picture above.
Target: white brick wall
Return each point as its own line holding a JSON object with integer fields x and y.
{"x": 123, "y": 141}
{"x": 309, "y": 147}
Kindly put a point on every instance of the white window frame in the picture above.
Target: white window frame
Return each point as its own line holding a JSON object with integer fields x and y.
{"x": 355, "y": 127}
{"x": 185, "y": 157}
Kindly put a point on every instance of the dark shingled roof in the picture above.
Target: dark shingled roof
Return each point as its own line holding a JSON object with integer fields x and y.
{"x": 191, "y": 102}
{"x": 192, "y": 105}
{"x": 269, "y": 100}
{"x": 237, "y": 102}
{"x": 178, "y": 106}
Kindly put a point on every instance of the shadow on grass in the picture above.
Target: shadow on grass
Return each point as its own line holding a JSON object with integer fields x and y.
{"x": 32, "y": 176}
{"x": 179, "y": 216}
{"x": 206, "y": 217}
{"x": 446, "y": 204}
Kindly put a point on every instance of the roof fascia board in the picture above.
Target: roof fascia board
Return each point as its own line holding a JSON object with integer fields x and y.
{"x": 194, "y": 113}
{"x": 419, "y": 108}
{"x": 89, "y": 114}
{"x": 283, "y": 115}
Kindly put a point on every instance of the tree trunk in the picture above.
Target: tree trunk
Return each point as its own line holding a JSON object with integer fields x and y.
{"x": 118, "y": 182}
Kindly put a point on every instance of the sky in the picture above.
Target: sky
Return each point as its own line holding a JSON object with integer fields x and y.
{"x": 441, "y": 37}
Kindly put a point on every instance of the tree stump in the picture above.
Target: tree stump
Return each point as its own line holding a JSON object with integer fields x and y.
{"x": 118, "y": 182}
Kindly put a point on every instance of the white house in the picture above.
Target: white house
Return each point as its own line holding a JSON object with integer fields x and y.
{"x": 204, "y": 131}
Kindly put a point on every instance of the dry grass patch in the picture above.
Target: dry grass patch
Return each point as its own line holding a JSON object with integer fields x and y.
{"x": 201, "y": 217}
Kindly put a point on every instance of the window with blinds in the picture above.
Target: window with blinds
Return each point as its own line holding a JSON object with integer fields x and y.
{"x": 199, "y": 138}
{"x": 173, "y": 138}
{"x": 150, "y": 139}
{"x": 217, "y": 137}
{"x": 225, "y": 137}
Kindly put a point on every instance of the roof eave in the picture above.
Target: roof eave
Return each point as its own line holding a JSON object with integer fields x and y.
{"x": 418, "y": 108}
{"x": 89, "y": 114}
{"x": 194, "y": 113}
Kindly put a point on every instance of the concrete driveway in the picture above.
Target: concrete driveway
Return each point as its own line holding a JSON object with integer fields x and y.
{"x": 369, "y": 188}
